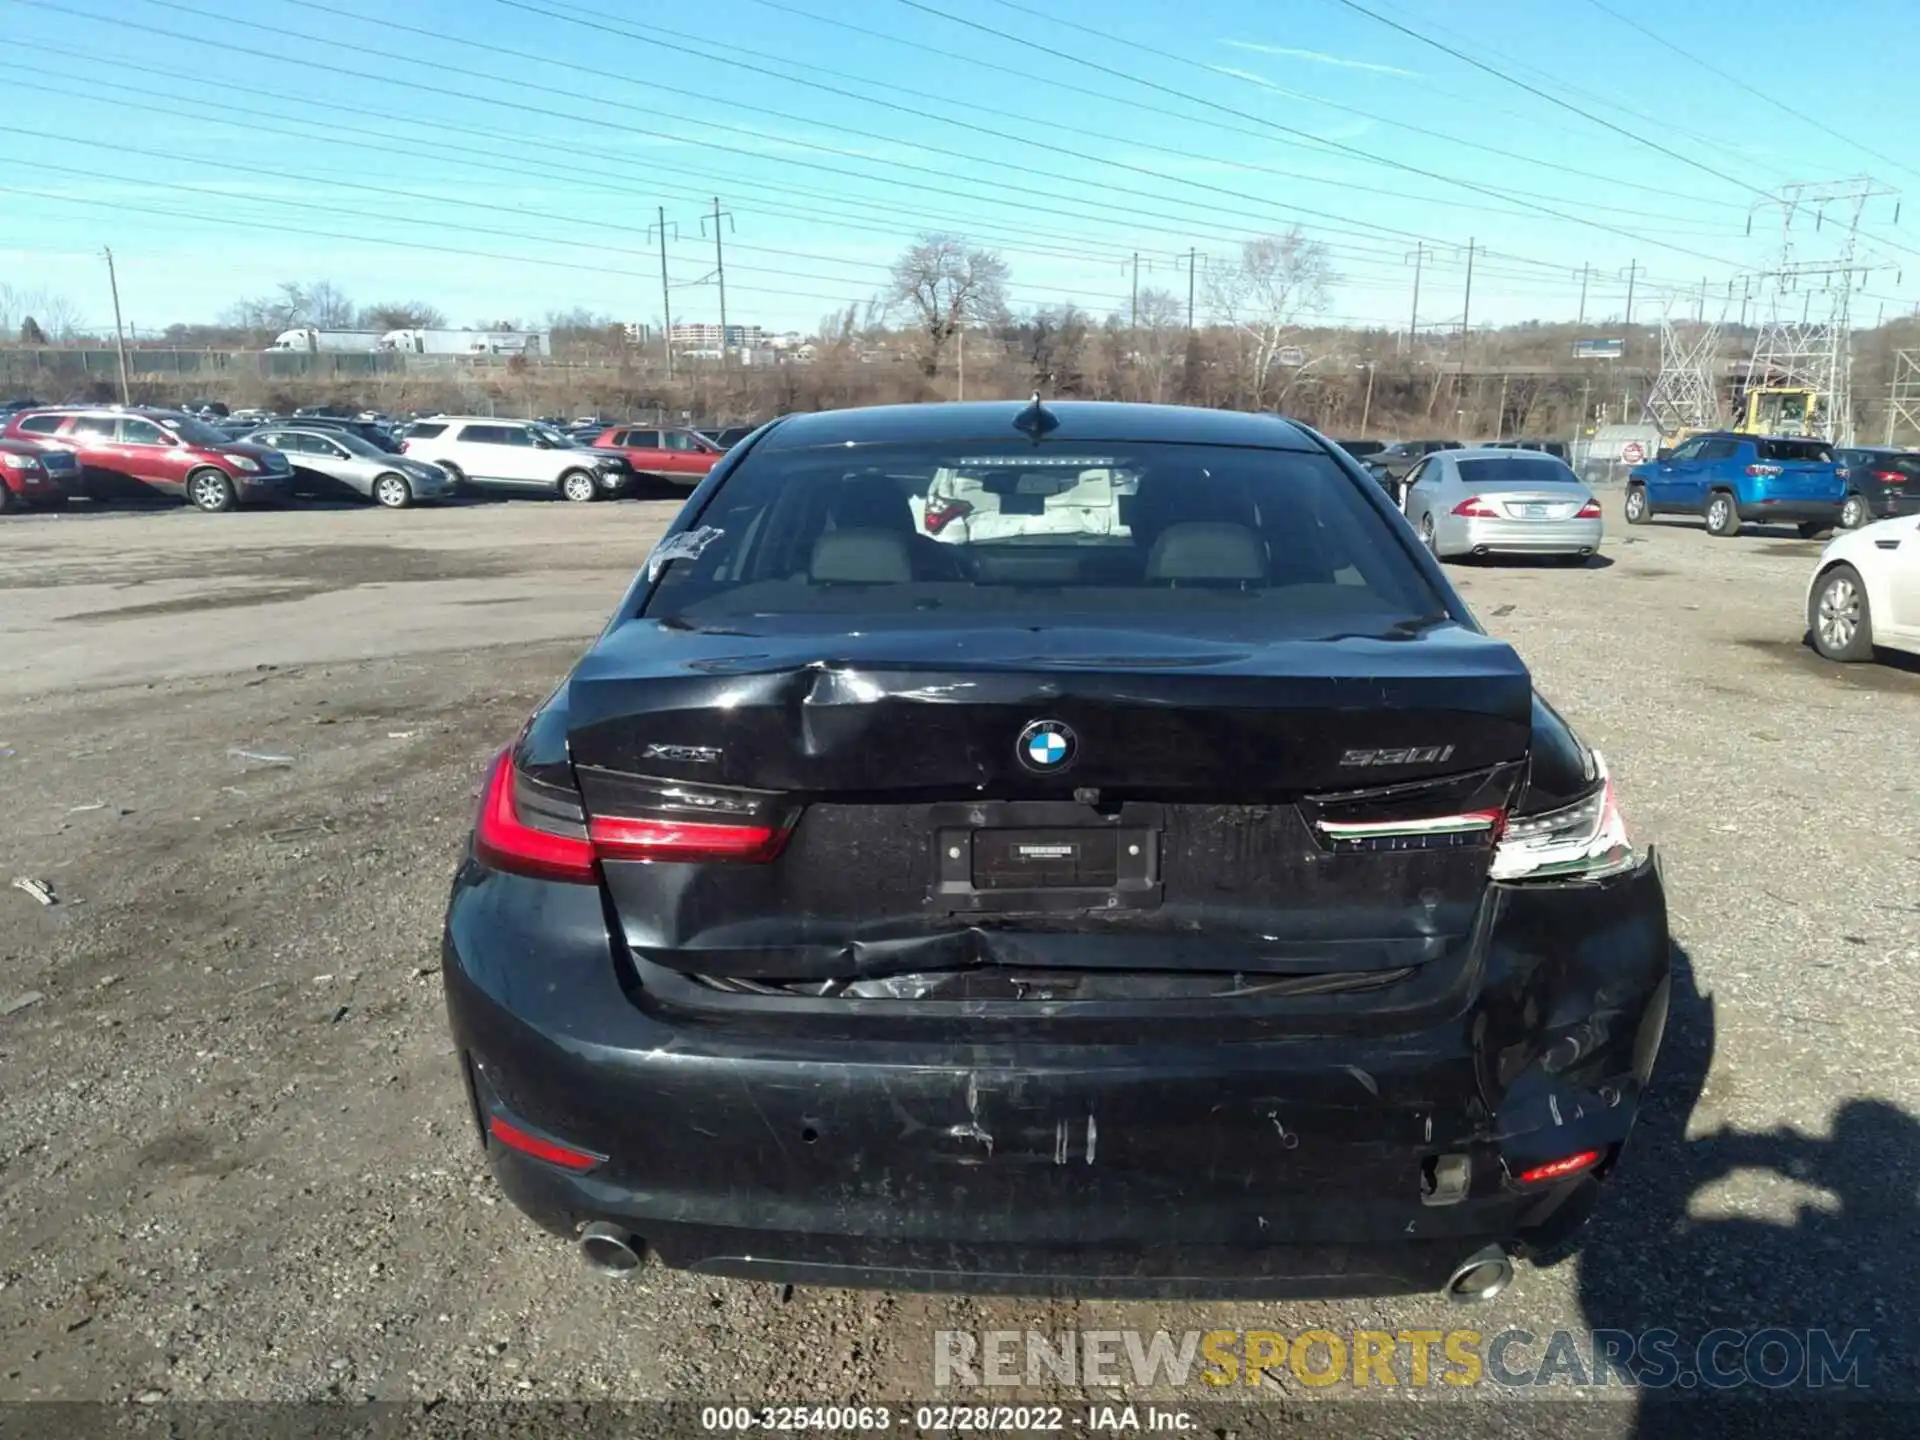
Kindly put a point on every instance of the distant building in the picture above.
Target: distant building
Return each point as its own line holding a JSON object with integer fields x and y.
{"x": 689, "y": 336}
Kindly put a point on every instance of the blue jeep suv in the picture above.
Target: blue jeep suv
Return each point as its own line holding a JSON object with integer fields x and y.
{"x": 1730, "y": 479}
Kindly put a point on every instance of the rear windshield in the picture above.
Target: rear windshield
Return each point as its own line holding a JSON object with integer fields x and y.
{"x": 1525, "y": 467}
{"x": 1816, "y": 450}
{"x": 1014, "y": 530}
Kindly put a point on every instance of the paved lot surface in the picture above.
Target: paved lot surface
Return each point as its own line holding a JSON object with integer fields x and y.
{"x": 233, "y": 1158}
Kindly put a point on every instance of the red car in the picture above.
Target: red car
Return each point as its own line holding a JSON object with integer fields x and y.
{"x": 34, "y": 474}
{"x": 136, "y": 452}
{"x": 680, "y": 456}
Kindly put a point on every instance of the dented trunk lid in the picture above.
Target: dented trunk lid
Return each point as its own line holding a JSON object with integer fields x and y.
{"x": 1184, "y": 837}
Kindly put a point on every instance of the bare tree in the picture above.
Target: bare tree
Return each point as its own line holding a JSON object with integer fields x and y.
{"x": 328, "y": 307}
{"x": 945, "y": 284}
{"x": 1053, "y": 340}
{"x": 31, "y": 333}
{"x": 52, "y": 315}
{"x": 402, "y": 315}
{"x": 1159, "y": 343}
{"x": 1263, "y": 295}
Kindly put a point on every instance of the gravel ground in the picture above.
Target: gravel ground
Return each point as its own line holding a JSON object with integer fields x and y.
{"x": 234, "y": 1162}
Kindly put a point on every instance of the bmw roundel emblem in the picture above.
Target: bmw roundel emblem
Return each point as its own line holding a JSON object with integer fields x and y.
{"x": 1047, "y": 747}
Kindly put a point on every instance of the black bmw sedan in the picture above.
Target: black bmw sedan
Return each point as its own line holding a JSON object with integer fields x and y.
{"x": 1073, "y": 848}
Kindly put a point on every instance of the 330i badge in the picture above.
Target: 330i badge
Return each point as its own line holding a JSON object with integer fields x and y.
{"x": 1166, "y": 888}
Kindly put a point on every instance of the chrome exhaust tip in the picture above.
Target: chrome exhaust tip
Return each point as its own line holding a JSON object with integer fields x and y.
{"x": 1480, "y": 1277}
{"x": 610, "y": 1250}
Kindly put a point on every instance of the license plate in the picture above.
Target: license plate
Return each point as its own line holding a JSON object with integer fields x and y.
{"x": 1534, "y": 512}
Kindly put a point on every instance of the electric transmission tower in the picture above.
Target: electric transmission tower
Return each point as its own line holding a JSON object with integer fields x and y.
{"x": 1685, "y": 394}
{"x": 1805, "y": 341}
{"x": 1903, "y": 395}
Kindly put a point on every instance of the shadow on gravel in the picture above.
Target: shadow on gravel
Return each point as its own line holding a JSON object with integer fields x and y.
{"x": 1889, "y": 671}
{"x": 1764, "y": 1319}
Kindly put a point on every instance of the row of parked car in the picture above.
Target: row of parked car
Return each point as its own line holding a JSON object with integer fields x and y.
{"x": 50, "y": 454}
{"x": 1862, "y": 598}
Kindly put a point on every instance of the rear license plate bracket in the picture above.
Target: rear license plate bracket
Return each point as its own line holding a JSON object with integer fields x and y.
{"x": 1044, "y": 856}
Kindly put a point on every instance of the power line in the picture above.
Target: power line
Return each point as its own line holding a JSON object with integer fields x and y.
{"x": 1747, "y": 88}
{"x": 731, "y": 57}
{"x": 252, "y": 123}
{"x": 1341, "y": 146}
{"x": 1133, "y": 103}
{"x": 1330, "y": 221}
{"x": 413, "y": 83}
{"x": 1551, "y": 98}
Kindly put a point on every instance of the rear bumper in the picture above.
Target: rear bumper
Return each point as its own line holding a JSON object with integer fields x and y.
{"x": 1277, "y": 1166}
{"x": 1457, "y": 535}
{"x": 1790, "y": 512}
{"x": 1883, "y": 506}
{"x": 250, "y": 489}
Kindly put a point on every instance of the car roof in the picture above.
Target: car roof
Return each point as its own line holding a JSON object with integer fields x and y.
{"x": 1490, "y": 452}
{"x": 475, "y": 419}
{"x": 1077, "y": 421}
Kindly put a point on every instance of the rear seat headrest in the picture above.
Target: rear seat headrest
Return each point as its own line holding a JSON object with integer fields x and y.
{"x": 1207, "y": 550}
{"x": 860, "y": 557}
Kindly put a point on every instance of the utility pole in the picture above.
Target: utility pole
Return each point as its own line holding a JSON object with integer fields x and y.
{"x": 1582, "y": 321}
{"x": 720, "y": 269}
{"x": 1134, "y": 323}
{"x": 1419, "y": 262}
{"x": 1466, "y": 305}
{"x": 1700, "y": 311}
{"x": 1193, "y": 257}
{"x": 1366, "y": 406}
{"x": 1500, "y": 421}
{"x": 119, "y": 330}
{"x": 1633, "y": 273}
{"x": 666, "y": 295}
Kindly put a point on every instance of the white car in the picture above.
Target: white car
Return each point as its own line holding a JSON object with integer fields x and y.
{"x": 515, "y": 455}
{"x": 1866, "y": 592}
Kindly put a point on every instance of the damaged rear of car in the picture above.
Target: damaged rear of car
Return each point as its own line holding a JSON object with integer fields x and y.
{"x": 1195, "y": 902}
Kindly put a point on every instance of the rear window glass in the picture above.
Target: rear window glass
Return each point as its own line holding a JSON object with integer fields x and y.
{"x": 1526, "y": 467}
{"x": 1014, "y": 530}
{"x": 1816, "y": 450}
{"x": 42, "y": 424}
{"x": 425, "y": 430}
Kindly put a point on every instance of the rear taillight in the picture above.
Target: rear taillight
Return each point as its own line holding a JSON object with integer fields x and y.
{"x": 1589, "y": 511}
{"x": 403, "y": 446}
{"x": 1474, "y": 508}
{"x": 1480, "y": 825}
{"x": 1559, "y": 1169}
{"x": 1889, "y": 477}
{"x": 528, "y": 828}
{"x": 544, "y": 851}
{"x": 1763, "y": 471}
{"x": 941, "y": 513}
{"x": 685, "y": 840}
{"x": 1582, "y": 841}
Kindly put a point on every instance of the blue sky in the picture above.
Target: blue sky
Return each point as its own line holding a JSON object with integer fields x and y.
{"x": 507, "y": 158}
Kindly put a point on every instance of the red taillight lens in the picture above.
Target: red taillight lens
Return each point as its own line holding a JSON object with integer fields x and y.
{"x": 1474, "y": 508}
{"x": 1762, "y": 471}
{"x": 941, "y": 513}
{"x": 1589, "y": 511}
{"x": 1889, "y": 477}
{"x": 1559, "y": 1169}
{"x": 565, "y": 1156}
{"x": 503, "y": 840}
{"x": 617, "y": 839}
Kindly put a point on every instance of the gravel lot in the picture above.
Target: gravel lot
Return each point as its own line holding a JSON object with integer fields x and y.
{"x": 234, "y": 1162}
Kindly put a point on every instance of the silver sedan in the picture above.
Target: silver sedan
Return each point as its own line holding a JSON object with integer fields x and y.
{"x": 341, "y": 461}
{"x": 1502, "y": 502}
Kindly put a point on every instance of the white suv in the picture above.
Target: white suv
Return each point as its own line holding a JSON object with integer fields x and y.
{"x": 515, "y": 455}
